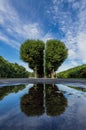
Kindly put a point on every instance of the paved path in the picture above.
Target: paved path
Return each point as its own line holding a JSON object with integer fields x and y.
{"x": 4, "y": 82}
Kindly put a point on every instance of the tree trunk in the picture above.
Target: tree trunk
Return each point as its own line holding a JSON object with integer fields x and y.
{"x": 52, "y": 73}
{"x": 35, "y": 72}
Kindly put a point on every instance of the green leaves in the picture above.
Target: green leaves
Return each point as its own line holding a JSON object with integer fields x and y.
{"x": 76, "y": 72}
{"x": 10, "y": 70}
{"x": 56, "y": 53}
{"x": 32, "y": 51}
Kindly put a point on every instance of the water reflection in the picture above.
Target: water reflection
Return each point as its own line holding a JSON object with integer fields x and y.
{"x": 4, "y": 91}
{"x": 55, "y": 101}
{"x": 32, "y": 103}
{"x": 43, "y": 108}
{"x": 43, "y": 99}
{"x": 78, "y": 88}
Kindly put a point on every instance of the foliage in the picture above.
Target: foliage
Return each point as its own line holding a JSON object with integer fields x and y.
{"x": 76, "y": 72}
{"x": 10, "y": 70}
{"x": 32, "y": 103}
{"x": 31, "y": 51}
{"x": 55, "y": 101}
{"x": 6, "y": 90}
{"x": 78, "y": 88}
{"x": 56, "y": 53}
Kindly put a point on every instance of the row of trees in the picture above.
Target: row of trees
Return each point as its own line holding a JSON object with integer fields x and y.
{"x": 43, "y": 58}
{"x": 76, "y": 72}
{"x": 6, "y": 90}
{"x": 10, "y": 70}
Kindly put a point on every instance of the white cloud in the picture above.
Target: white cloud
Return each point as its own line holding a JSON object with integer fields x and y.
{"x": 76, "y": 5}
{"x": 31, "y": 30}
{"x": 1, "y": 21}
{"x": 67, "y": 65}
{"x": 72, "y": 54}
{"x": 25, "y": 65}
{"x": 74, "y": 29}
{"x": 47, "y": 36}
{"x": 8, "y": 41}
{"x": 81, "y": 39}
{"x": 15, "y": 27}
{"x": 71, "y": 1}
{"x": 64, "y": 67}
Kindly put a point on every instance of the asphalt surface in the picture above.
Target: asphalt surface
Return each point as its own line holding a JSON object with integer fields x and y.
{"x": 4, "y": 82}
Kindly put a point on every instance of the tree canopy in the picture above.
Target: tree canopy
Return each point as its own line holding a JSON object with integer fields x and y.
{"x": 31, "y": 51}
{"x": 56, "y": 52}
{"x": 35, "y": 52}
{"x": 76, "y": 72}
{"x": 12, "y": 70}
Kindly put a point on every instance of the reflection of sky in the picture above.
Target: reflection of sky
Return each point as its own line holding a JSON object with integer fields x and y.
{"x": 76, "y": 85}
{"x": 11, "y": 117}
{"x": 10, "y": 103}
{"x": 71, "y": 91}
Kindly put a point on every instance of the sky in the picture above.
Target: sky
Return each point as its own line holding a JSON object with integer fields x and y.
{"x": 63, "y": 20}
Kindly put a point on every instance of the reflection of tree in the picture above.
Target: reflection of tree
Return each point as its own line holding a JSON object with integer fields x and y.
{"x": 78, "y": 88}
{"x": 4, "y": 91}
{"x": 32, "y": 103}
{"x": 55, "y": 101}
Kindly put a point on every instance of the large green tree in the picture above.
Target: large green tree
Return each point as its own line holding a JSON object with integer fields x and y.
{"x": 31, "y": 51}
{"x": 55, "y": 53}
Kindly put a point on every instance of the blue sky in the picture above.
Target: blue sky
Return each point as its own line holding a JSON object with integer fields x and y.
{"x": 43, "y": 19}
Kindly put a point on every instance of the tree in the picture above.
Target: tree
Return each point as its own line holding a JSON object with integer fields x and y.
{"x": 31, "y": 51}
{"x": 76, "y": 72}
{"x": 55, "y": 100}
{"x": 6, "y": 90}
{"x": 32, "y": 102}
{"x": 12, "y": 70}
{"x": 56, "y": 52}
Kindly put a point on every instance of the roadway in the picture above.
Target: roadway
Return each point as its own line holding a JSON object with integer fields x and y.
{"x": 4, "y": 82}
